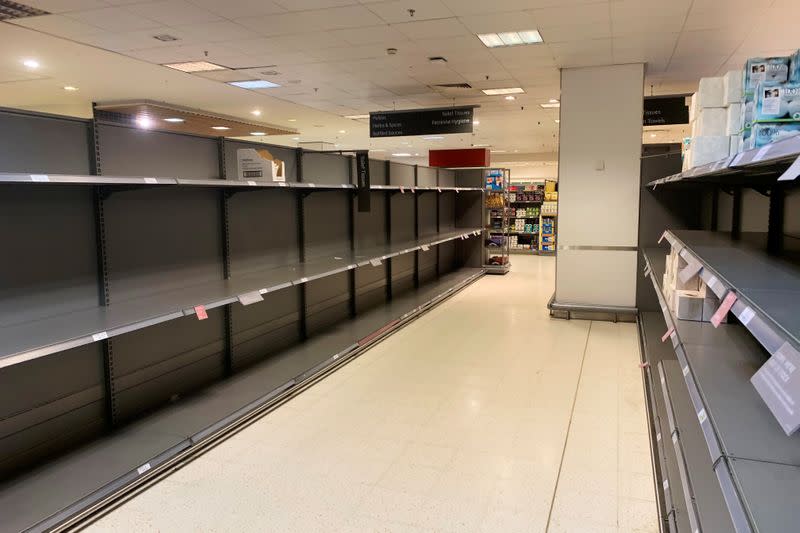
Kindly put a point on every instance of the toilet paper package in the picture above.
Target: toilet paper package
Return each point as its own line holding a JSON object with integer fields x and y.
{"x": 733, "y": 119}
{"x": 769, "y": 132}
{"x": 777, "y": 102}
{"x": 748, "y": 110}
{"x": 735, "y": 144}
{"x": 711, "y": 93}
{"x": 692, "y": 103}
{"x": 794, "y": 68}
{"x": 732, "y": 85}
{"x": 711, "y": 121}
{"x": 709, "y": 149}
{"x": 765, "y": 71}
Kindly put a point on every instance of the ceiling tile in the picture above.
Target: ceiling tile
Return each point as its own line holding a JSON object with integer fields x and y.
{"x": 398, "y": 10}
{"x": 432, "y": 29}
{"x": 549, "y": 17}
{"x": 576, "y": 32}
{"x": 173, "y": 12}
{"x": 349, "y": 52}
{"x": 213, "y": 32}
{"x": 58, "y": 25}
{"x": 134, "y": 40}
{"x": 383, "y": 34}
{"x": 114, "y": 19}
{"x": 708, "y": 42}
{"x": 65, "y": 6}
{"x": 306, "y": 5}
{"x": 307, "y": 21}
{"x": 499, "y": 22}
{"x": 655, "y": 49}
{"x": 234, "y": 9}
{"x": 308, "y": 41}
{"x": 582, "y": 53}
{"x": 480, "y": 7}
{"x": 641, "y": 16}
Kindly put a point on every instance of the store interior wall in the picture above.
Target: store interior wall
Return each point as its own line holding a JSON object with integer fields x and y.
{"x": 599, "y": 180}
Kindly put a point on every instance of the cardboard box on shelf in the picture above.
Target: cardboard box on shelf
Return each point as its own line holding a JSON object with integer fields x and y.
{"x": 710, "y": 305}
{"x": 255, "y": 164}
{"x": 688, "y": 305}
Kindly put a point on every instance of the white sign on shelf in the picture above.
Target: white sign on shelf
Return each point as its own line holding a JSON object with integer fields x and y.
{"x": 251, "y": 183}
{"x": 778, "y": 385}
{"x": 792, "y": 172}
{"x": 685, "y": 370}
{"x": 762, "y": 152}
{"x": 151, "y": 181}
{"x": 250, "y": 298}
{"x": 746, "y": 316}
{"x": 425, "y": 248}
{"x": 40, "y": 177}
{"x": 281, "y": 184}
{"x": 100, "y": 336}
{"x": 375, "y": 262}
{"x": 263, "y": 291}
{"x": 702, "y": 416}
{"x": 144, "y": 468}
{"x": 312, "y": 185}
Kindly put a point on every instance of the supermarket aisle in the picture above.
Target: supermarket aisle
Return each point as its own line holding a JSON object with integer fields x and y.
{"x": 484, "y": 415}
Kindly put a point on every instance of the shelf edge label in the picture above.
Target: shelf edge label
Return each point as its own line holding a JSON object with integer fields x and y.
{"x": 723, "y": 309}
{"x": 200, "y": 311}
{"x": 40, "y": 177}
{"x": 142, "y": 469}
{"x": 100, "y": 336}
{"x": 792, "y": 172}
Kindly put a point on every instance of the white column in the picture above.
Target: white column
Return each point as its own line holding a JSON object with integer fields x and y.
{"x": 598, "y": 181}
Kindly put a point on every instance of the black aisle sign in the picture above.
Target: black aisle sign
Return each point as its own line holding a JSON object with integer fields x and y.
{"x": 421, "y": 121}
{"x": 663, "y": 110}
{"x": 362, "y": 175}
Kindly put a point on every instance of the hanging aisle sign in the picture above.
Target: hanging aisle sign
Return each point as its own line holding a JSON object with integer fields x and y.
{"x": 664, "y": 110}
{"x": 363, "y": 181}
{"x": 421, "y": 121}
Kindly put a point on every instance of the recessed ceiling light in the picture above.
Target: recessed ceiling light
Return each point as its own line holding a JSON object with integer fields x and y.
{"x": 434, "y": 138}
{"x": 511, "y": 97}
{"x": 30, "y": 63}
{"x": 70, "y": 88}
{"x": 507, "y": 90}
{"x": 553, "y": 101}
{"x": 401, "y": 154}
{"x": 220, "y": 128}
{"x": 356, "y": 117}
{"x": 476, "y": 122}
{"x": 510, "y": 38}
{"x": 550, "y": 106}
{"x": 256, "y": 112}
{"x": 342, "y": 131}
{"x": 558, "y": 121}
{"x": 652, "y": 135}
{"x": 144, "y": 122}
{"x": 480, "y": 145}
{"x": 377, "y": 150}
{"x": 194, "y": 66}
{"x": 257, "y": 133}
{"x": 174, "y": 120}
{"x": 498, "y": 151}
{"x": 295, "y": 138}
{"x": 253, "y": 84}
{"x": 292, "y": 120}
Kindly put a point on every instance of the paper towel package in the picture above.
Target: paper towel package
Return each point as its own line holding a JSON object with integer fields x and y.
{"x": 710, "y": 93}
{"x": 734, "y": 119}
{"x": 732, "y": 84}
{"x": 765, "y": 71}
{"x": 711, "y": 122}
{"x": 709, "y": 149}
{"x": 778, "y": 102}
{"x": 763, "y": 134}
{"x": 736, "y": 144}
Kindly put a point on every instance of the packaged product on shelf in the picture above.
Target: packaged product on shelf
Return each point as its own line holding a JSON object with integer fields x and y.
{"x": 766, "y": 133}
{"x": 710, "y": 305}
{"x": 765, "y": 71}
{"x": 259, "y": 164}
{"x": 777, "y": 102}
{"x": 732, "y": 85}
{"x": 733, "y": 119}
{"x": 711, "y": 122}
{"x": 709, "y": 149}
{"x": 692, "y": 103}
{"x": 710, "y": 93}
{"x": 688, "y": 305}
{"x": 794, "y": 68}
{"x": 748, "y": 110}
{"x": 736, "y": 144}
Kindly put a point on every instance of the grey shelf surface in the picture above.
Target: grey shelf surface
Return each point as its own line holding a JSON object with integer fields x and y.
{"x": 716, "y": 366}
{"x": 757, "y": 166}
{"x": 66, "y": 179}
{"x": 769, "y": 285}
{"x": 57, "y": 485}
{"x": 41, "y": 337}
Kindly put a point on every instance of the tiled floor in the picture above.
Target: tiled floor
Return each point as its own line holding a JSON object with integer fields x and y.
{"x": 485, "y": 415}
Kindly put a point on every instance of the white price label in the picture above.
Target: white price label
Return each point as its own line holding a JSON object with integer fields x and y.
{"x": 439, "y": 189}
{"x": 144, "y": 468}
{"x": 281, "y": 184}
{"x": 792, "y": 172}
{"x": 746, "y": 316}
{"x": 151, "y": 181}
{"x": 425, "y": 248}
{"x": 701, "y": 416}
{"x": 675, "y": 438}
{"x": 375, "y": 262}
{"x": 666, "y": 484}
{"x": 712, "y": 282}
{"x": 762, "y": 152}
{"x": 402, "y": 190}
{"x": 100, "y": 336}
{"x": 40, "y": 177}
{"x": 263, "y": 291}
{"x": 685, "y": 370}
{"x": 658, "y": 437}
{"x": 303, "y": 280}
{"x": 251, "y": 183}
{"x": 312, "y": 185}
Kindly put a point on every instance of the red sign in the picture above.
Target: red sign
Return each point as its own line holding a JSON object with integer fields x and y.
{"x": 200, "y": 310}
{"x": 467, "y": 157}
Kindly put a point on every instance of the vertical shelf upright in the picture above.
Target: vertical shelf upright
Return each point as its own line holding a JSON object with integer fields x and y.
{"x": 496, "y": 206}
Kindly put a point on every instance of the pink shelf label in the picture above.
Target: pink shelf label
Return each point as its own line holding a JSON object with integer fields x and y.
{"x": 668, "y": 334}
{"x": 200, "y": 310}
{"x": 723, "y": 309}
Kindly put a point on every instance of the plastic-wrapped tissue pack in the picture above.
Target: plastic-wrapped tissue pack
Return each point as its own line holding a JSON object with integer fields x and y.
{"x": 765, "y": 71}
{"x": 779, "y": 102}
{"x": 764, "y": 134}
{"x": 794, "y": 74}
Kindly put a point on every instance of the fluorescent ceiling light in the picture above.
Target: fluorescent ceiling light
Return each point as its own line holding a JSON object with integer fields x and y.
{"x": 507, "y": 90}
{"x": 342, "y": 131}
{"x": 295, "y": 138}
{"x": 356, "y": 117}
{"x": 433, "y": 138}
{"x": 220, "y": 128}
{"x": 253, "y": 84}
{"x": 498, "y": 151}
{"x": 256, "y": 112}
{"x": 476, "y": 122}
{"x": 31, "y": 63}
{"x": 510, "y": 38}
{"x": 70, "y": 88}
{"x": 511, "y": 97}
{"x": 173, "y": 120}
{"x": 377, "y": 150}
{"x": 416, "y": 155}
{"x": 480, "y": 145}
{"x": 194, "y": 66}
{"x": 558, "y": 121}
{"x": 144, "y": 122}
{"x": 401, "y": 154}
{"x": 292, "y": 120}
{"x": 257, "y": 133}
{"x": 550, "y": 106}
{"x": 553, "y": 101}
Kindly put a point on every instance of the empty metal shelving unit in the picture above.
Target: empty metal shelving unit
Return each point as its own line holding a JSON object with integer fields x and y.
{"x": 726, "y": 454}
{"x": 149, "y": 302}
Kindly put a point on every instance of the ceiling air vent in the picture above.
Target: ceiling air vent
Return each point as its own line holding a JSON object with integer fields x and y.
{"x": 454, "y": 86}
{"x": 14, "y": 10}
